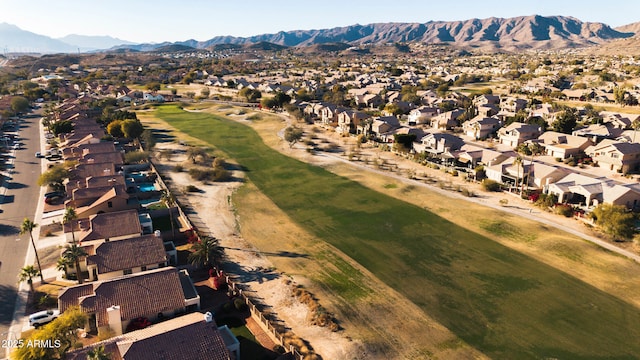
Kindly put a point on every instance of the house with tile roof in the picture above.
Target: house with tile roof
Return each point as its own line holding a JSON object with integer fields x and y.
{"x": 193, "y": 336}
{"x": 516, "y": 133}
{"x": 154, "y": 295}
{"x": 616, "y": 156}
{"x": 560, "y": 145}
{"x": 133, "y": 255}
{"x": 585, "y": 190}
{"x": 107, "y": 226}
{"x": 481, "y": 127}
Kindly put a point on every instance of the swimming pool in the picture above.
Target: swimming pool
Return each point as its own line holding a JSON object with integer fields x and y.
{"x": 146, "y": 187}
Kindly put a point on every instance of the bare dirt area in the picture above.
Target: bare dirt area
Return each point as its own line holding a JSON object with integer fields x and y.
{"x": 255, "y": 270}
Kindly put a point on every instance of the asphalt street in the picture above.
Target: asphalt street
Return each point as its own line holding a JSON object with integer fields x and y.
{"x": 19, "y": 198}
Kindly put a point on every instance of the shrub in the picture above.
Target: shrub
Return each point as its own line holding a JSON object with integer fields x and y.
{"x": 191, "y": 188}
{"x": 178, "y": 168}
{"x": 239, "y": 304}
{"x": 558, "y": 159}
{"x": 454, "y": 173}
{"x": 564, "y": 210}
{"x": 490, "y": 185}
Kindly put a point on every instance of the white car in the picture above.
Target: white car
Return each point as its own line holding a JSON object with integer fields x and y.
{"x": 43, "y": 317}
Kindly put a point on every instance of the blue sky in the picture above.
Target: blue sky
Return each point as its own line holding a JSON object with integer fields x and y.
{"x": 176, "y": 20}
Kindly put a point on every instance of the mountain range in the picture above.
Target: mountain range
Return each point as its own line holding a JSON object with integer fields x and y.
{"x": 517, "y": 33}
{"x": 14, "y": 39}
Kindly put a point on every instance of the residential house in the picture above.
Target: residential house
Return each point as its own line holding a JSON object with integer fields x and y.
{"x": 563, "y": 146}
{"x": 584, "y": 190}
{"x": 438, "y": 143}
{"x": 92, "y": 201}
{"x": 114, "y": 303}
{"x": 107, "y": 226}
{"x": 384, "y": 125}
{"x": 118, "y": 258}
{"x": 509, "y": 171}
{"x": 513, "y": 104}
{"x": 151, "y": 97}
{"x": 422, "y": 115}
{"x": 447, "y": 120}
{"x": 516, "y": 133}
{"x": 621, "y": 157}
{"x": 474, "y": 156}
{"x": 351, "y": 122}
{"x": 598, "y": 132}
{"x": 486, "y": 99}
{"x": 194, "y": 336}
{"x": 480, "y": 127}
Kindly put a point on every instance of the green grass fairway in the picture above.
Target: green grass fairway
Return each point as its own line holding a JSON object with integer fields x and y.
{"x": 505, "y": 304}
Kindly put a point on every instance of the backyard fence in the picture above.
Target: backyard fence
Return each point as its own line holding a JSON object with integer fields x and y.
{"x": 264, "y": 323}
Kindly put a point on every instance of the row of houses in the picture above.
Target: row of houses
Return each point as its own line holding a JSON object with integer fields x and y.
{"x": 129, "y": 268}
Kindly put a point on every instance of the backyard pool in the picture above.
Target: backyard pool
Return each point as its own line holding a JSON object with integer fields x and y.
{"x": 146, "y": 187}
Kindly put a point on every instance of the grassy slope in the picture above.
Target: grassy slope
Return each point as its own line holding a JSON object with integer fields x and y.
{"x": 498, "y": 300}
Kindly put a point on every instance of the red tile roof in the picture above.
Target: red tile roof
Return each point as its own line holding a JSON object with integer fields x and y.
{"x": 128, "y": 254}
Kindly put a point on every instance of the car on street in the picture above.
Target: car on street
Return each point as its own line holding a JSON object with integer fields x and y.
{"x": 43, "y": 317}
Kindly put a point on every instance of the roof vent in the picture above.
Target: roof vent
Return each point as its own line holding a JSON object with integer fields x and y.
{"x": 208, "y": 317}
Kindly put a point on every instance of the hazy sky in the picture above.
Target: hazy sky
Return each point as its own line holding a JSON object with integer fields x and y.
{"x": 176, "y": 20}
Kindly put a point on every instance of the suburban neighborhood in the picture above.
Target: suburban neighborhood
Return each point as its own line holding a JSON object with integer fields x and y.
{"x": 269, "y": 202}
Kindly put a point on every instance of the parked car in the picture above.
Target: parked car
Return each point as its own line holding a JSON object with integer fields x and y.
{"x": 53, "y": 197}
{"x": 39, "y": 155}
{"x": 43, "y": 317}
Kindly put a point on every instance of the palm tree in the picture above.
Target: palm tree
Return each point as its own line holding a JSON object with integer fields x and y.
{"x": 518, "y": 163}
{"x": 27, "y": 274}
{"x": 63, "y": 265}
{"x": 205, "y": 252}
{"x": 72, "y": 254}
{"x": 98, "y": 353}
{"x": 535, "y": 149}
{"x": 27, "y": 227}
{"x": 170, "y": 201}
{"x": 69, "y": 216}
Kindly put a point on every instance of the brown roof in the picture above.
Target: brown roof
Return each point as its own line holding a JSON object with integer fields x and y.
{"x": 128, "y": 253}
{"x": 83, "y": 171}
{"x": 114, "y": 157}
{"x": 69, "y": 296}
{"x": 114, "y": 224}
{"x": 95, "y": 192}
{"x": 140, "y": 294}
{"x": 184, "y": 337}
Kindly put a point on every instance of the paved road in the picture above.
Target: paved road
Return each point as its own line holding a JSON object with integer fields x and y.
{"x": 21, "y": 196}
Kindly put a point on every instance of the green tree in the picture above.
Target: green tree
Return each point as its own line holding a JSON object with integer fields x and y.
{"x": 136, "y": 157}
{"x": 393, "y": 109}
{"x": 27, "y": 226}
{"x": 98, "y": 353}
{"x": 72, "y": 254}
{"x": 404, "y": 142}
{"x": 615, "y": 220}
{"x": 154, "y": 86}
{"x": 63, "y": 264}
{"x": 27, "y": 274}
{"x": 205, "y": 92}
{"x": 565, "y": 122}
{"x": 131, "y": 129}
{"x": 205, "y": 252}
{"x": 619, "y": 94}
{"x": 61, "y": 333}
{"x": 54, "y": 177}
{"x": 61, "y": 127}
{"x": 19, "y": 104}
{"x": 169, "y": 200}
{"x": 115, "y": 129}
{"x": 292, "y": 135}
{"x": 251, "y": 95}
